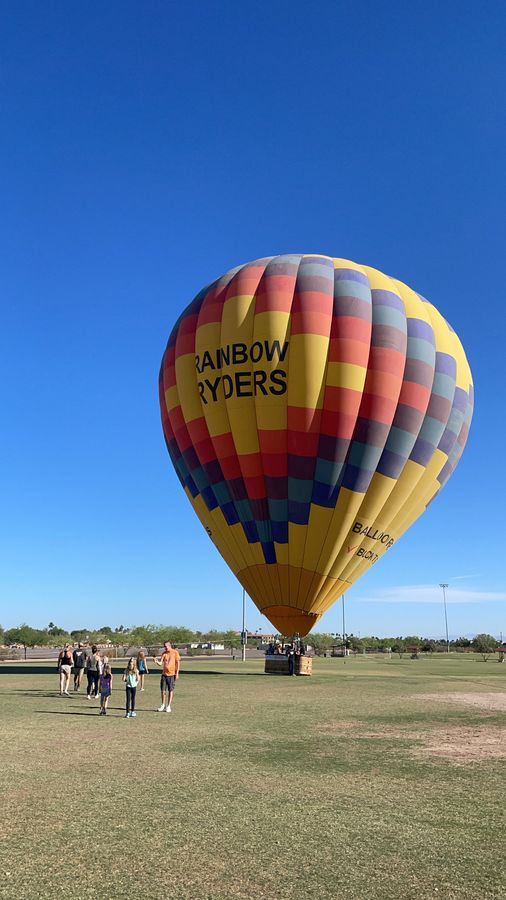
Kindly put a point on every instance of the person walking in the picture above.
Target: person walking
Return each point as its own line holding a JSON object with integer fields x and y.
{"x": 142, "y": 667}
{"x": 169, "y": 661}
{"x": 93, "y": 672}
{"x": 65, "y": 669}
{"x": 105, "y": 687}
{"x": 79, "y": 657}
{"x": 131, "y": 679}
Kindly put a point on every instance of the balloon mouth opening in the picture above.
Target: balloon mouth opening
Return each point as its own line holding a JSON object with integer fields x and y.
{"x": 289, "y": 620}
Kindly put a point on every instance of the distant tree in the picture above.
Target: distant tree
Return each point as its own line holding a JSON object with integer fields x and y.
{"x": 80, "y": 634}
{"x": 213, "y": 636}
{"x": 143, "y": 636}
{"x": 398, "y": 645}
{"x": 485, "y": 644}
{"x": 179, "y": 634}
{"x": 428, "y": 646}
{"x": 375, "y": 643}
{"x": 94, "y": 637}
{"x": 106, "y": 630}
{"x": 462, "y": 642}
{"x": 2, "y": 635}
{"x": 412, "y": 640}
{"x": 356, "y": 643}
{"x": 45, "y": 639}
{"x": 55, "y": 630}
{"x": 440, "y": 645}
{"x": 232, "y": 639}
{"x": 412, "y": 643}
{"x": 321, "y": 642}
{"x": 161, "y": 633}
{"x": 24, "y": 635}
{"x": 153, "y": 635}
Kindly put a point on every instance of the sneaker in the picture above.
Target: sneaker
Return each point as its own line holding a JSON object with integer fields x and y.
{"x": 161, "y": 708}
{"x": 127, "y": 715}
{"x": 142, "y": 689}
{"x": 168, "y": 709}
{"x": 133, "y": 715}
{"x": 67, "y": 693}
{"x": 88, "y": 696}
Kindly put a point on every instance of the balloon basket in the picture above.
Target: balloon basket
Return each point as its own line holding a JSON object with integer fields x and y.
{"x": 303, "y": 665}
{"x": 278, "y": 664}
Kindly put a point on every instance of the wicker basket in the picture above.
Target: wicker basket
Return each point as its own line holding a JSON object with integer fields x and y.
{"x": 278, "y": 665}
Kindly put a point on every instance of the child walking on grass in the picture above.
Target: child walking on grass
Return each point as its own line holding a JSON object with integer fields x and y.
{"x": 105, "y": 688}
{"x": 131, "y": 678}
{"x": 142, "y": 666}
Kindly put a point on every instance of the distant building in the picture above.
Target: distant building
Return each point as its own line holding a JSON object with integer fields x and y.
{"x": 262, "y": 639}
{"x": 207, "y": 645}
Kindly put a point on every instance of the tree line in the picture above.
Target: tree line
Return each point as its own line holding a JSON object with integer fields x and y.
{"x": 152, "y": 635}
{"x": 481, "y": 643}
{"x": 138, "y": 635}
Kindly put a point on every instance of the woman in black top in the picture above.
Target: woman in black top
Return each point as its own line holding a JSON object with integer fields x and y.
{"x": 65, "y": 669}
{"x": 93, "y": 672}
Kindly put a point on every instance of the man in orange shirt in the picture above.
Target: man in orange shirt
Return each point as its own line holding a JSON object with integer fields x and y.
{"x": 169, "y": 661}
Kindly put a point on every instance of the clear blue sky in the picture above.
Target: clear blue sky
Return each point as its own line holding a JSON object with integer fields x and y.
{"x": 147, "y": 148}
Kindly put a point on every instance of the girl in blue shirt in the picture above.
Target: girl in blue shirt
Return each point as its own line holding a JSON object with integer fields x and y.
{"x": 142, "y": 666}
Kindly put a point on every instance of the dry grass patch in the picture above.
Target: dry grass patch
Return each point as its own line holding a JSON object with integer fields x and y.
{"x": 490, "y": 700}
{"x": 339, "y": 726}
{"x": 456, "y": 743}
{"x": 462, "y": 745}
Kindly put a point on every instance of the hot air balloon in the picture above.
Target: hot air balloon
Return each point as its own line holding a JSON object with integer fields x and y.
{"x": 312, "y": 408}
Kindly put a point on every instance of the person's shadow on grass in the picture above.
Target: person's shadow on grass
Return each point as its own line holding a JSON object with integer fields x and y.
{"x": 119, "y": 712}
{"x": 77, "y": 712}
{"x": 39, "y": 693}
{"x": 185, "y": 672}
{"x": 67, "y": 712}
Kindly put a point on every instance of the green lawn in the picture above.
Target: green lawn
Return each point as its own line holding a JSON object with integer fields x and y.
{"x": 374, "y": 778}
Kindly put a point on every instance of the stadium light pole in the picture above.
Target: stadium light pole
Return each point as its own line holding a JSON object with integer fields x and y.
{"x": 444, "y": 586}
{"x": 344, "y": 638}
{"x": 243, "y": 632}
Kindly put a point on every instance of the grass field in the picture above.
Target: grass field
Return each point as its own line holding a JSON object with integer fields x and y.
{"x": 374, "y": 778}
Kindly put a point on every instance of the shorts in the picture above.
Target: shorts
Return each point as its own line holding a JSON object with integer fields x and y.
{"x": 105, "y": 694}
{"x": 78, "y": 670}
{"x": 168, "y": 682}
{"x": 66, "y": 669}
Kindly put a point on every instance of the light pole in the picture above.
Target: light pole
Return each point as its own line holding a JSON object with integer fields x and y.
{"x": 344, "y": 638}
{"x": 244, "y": 636}
{"x": 444, "y": 586}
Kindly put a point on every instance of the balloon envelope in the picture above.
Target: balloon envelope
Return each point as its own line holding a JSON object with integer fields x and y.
{"x": 312, "y": 408}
